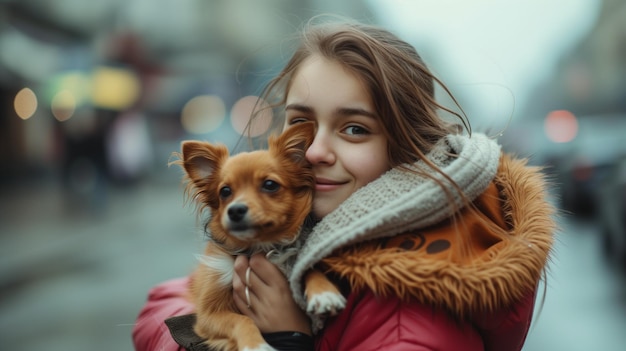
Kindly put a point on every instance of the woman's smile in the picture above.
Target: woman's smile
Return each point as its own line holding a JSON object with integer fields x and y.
{"x": 325, "y": 184}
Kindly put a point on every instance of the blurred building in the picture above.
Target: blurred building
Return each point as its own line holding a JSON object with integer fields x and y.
{"x": 591, "y": 80}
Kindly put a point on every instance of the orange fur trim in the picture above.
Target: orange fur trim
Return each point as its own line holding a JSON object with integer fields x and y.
{"x": 501, "y": 267}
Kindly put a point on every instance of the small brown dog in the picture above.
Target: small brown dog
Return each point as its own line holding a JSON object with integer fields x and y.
{"x": 258, "y": 202}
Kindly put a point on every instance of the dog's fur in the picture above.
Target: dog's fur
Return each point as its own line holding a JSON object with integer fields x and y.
{"x": 258, "y": 201}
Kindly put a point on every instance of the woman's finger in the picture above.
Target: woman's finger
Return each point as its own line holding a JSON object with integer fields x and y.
{"x": 248, "y": 274}
{"x": 265, "y": 270}
{"x": 243, "y": 295}
{"x": 241, "y": 264}
{"x": 247, "y": 285}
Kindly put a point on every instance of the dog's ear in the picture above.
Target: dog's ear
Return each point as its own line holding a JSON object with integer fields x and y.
{"x": 294, "y": 141}
{"x": 201, "y": 161}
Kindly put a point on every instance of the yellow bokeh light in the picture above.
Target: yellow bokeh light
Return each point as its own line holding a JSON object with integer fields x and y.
{"x": 115, "y": 88}
{"x": 242, "y": 111}
{"x": 203, "y": 114}
{"x": 63, "y": 105}
{"x": 25, "y": 103}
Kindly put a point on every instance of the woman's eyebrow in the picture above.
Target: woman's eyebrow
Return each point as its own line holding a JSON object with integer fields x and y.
{"x": 352, "y": 111}
{"x": 340, "y": 111}
{"x": 299, "y": 107}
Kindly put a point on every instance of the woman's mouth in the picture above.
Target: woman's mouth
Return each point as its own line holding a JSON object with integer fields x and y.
{"x": 324, "y": 184}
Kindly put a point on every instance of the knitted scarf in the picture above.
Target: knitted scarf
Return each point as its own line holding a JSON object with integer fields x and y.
{"x": 401, "y": 200}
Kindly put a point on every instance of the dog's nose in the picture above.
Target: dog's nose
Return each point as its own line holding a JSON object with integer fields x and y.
{"x": 237, "y": 212}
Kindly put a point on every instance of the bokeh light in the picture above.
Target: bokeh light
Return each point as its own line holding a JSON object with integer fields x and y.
{"x": 242, "y": 111}
{"x": 25, "y": 103}
{"x": 203, "y": 114}
{"x": 76, "y": 82}
{"x": 561, "y": 126}
{"x": 63, "y": 105}
{"x": 115, "y": 88}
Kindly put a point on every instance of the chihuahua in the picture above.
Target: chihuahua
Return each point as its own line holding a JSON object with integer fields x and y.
{"x": 258, "y": 202}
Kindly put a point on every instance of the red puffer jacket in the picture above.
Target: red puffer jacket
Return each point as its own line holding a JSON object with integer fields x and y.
{"x": 164, "y": 301}
{"x": 367, "y": 323}
{"x": 370, "y": 323}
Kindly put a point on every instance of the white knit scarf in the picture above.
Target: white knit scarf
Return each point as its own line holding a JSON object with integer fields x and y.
{"x": 399, "y": 201}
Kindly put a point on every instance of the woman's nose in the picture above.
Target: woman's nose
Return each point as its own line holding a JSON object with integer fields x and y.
{"x": 320, "y": 151}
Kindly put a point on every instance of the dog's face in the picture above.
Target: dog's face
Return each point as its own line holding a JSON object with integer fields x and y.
{"x": 262, "y": 196}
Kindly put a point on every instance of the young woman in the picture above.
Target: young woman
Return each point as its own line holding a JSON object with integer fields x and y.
{"x": 436, "y": 238}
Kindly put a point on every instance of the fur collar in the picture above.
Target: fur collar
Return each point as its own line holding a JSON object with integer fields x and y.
{"x": 500, "y": 270}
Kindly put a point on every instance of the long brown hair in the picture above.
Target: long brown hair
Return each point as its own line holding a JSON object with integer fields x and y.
{"x": 400, "y": 84}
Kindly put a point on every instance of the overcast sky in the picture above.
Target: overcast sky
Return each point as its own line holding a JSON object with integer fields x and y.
{"x": 497, "y": 49}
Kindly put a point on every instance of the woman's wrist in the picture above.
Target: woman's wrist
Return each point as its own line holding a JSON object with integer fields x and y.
{"x": 290, "y": 340}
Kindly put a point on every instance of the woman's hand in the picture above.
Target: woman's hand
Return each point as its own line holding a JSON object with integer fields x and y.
{"x": 271, "y": 305}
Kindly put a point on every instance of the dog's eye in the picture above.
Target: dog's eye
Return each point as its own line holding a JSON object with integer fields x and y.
{"x": 270, "y": 186}
{"x": 225, "y": 192}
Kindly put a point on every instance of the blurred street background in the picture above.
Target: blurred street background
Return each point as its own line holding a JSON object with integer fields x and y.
{"x": 96, "y": 95}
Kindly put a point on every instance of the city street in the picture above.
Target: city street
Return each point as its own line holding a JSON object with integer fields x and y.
{"x": 73, "y": 277}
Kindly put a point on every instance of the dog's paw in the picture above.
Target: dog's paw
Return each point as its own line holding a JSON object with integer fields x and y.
{"x": 325, "y": 303}
{"x": 262, "y": 347}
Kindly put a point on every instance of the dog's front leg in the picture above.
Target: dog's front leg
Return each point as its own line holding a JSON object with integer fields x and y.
{"x": 322, "y": 296}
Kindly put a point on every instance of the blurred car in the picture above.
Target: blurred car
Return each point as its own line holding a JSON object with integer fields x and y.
{"x": 584, "y": 163}
{"x": 579, "y": 176}
{"x": 612, "y": 213}
{"x": 579, "y": 153}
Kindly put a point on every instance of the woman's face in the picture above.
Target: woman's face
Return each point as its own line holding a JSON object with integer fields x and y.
{"x": 349, "y": 149}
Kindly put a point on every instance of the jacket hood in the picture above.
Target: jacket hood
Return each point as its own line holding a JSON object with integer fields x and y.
{"x": 484, "y": 258}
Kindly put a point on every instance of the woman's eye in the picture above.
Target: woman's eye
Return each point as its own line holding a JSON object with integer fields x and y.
{"x": 225, "y": 192}
{"x": 270, "y": 186}
{"x": 355, "y": 130}
{"x": 297, "y": 120}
